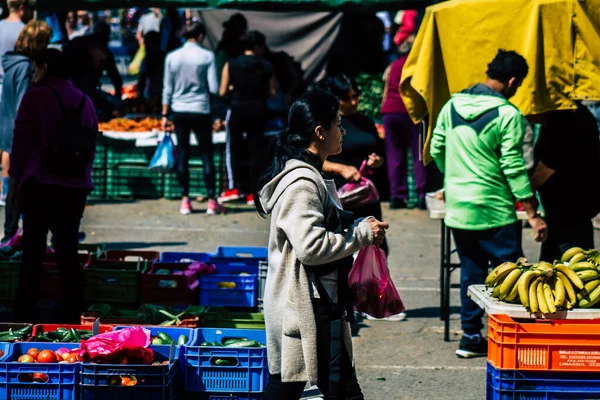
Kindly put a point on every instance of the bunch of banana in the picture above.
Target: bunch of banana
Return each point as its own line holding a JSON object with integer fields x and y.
{"x": 577, "y": 255}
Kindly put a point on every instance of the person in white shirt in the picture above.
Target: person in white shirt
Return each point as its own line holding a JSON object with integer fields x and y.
{"x": 149, "y": 23}
{"x": 190, "y": 78}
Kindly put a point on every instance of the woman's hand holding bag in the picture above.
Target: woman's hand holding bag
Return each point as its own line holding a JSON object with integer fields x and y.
{"x": 360, "y": 193}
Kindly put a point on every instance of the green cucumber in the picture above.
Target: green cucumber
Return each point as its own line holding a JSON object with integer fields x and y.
{"x": 225, "y": 362}
{"x": 227, "y": 342}
{"x": 165, "y": 338}
{"x": 157, "y": 341}
{"x": 244, "y": 343}
{"x": 206, "y": 344}
{"x": 182, "y": 340}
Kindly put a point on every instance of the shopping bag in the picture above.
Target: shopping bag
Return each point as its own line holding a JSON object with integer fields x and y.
{"x": 126, "y": 346}
{"x": 136, "y": 63}
{"x": 371, "y": 285}
{"x": 357, "y": 194}
{"x": 164, "y": 157}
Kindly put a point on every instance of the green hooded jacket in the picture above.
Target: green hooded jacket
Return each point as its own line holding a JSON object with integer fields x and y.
{"x": 478, "y": 145}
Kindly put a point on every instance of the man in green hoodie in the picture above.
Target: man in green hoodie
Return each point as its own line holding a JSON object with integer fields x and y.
{"x": 478, "y": 145}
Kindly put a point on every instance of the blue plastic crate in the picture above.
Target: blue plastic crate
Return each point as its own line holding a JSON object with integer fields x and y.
{"x": 4, "y": 347}
{"x": 15, "y": 377}
{"x": 177, "y": 257}
{"x": 173, "y": 332}
{"x": 243, "y": 295}
{"x": 249, "y": 375}
{"x": 232, "y": 396}
{"x": 547, "y": 385}
{"x": 154, "y": 382}
{"x": 259, "y": 253}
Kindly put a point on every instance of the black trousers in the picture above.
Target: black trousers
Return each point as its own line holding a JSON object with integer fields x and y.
{"x": 564, "y": 234}
{"x": 347, "y": 388}
{"x": 57, "y": 209}
{"x": 247, "y": 152}
{"x": 202, "y": 127}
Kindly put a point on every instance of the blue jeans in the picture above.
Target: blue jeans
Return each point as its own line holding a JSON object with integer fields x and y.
{"x": 476, "y": 250}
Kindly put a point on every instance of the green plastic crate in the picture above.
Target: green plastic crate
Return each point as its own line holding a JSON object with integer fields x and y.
{"x": 95, "y": 249}
{"x": 9, "y": 280}
{"x": 134, "y": 181}
{"x": 197, "y": 187}
{"x": 111, "y": 282}
{"x": 219, "y": 317}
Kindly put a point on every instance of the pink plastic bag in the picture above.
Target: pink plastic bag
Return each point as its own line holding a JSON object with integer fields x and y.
{"x": 126, "y": 346}
{"x": 357, "y": 194}
{"x": 371, "y": 285}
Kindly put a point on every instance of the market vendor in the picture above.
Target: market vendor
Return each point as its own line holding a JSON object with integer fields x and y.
{"x": 563, "y": 181}
{"x": 478, "y": 144}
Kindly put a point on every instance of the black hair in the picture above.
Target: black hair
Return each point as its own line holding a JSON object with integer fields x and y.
{"x": 340, "y": 85}
{"x": 102, "y": 31}
{"x": 152, "y": 42}
{"x": 237, "y": 22}
{"x": 507, "y": 65}
{"x": 315, "y": 108}
{"x": 194, "y": 30}
{"x": 58, "y": 64}
{"x": 253, "y": 39}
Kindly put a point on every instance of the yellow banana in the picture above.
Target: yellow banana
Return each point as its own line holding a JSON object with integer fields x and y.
{"x": 582, "y": 266}
{"x": 591, "y": 299}
{"x": 576, "y": 258}
{"x": 541, "y": 298}
{"x": 549, "y": 298}
{"x": 567, "y": 255}
{"x": 561, "y": 293}
{"x": 590, "y": 286}
{"x": 569, "y": 305}
{"x": 513, "y": 296}
{"x": 569, "y": 273}
{"x": 567, "y": 285}
{"x": 523, "y": 286}
{"x": 499, "y": 272}
{"x": 509, "y": 282}
{"x": 588, "y": 275}
{"x": 496, "y": 291}
{"x": 543, "y": 266}
{"x": 533, "y": 302}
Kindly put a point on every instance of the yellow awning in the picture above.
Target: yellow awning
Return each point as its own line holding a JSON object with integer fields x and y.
{"x": 560, "y": 39}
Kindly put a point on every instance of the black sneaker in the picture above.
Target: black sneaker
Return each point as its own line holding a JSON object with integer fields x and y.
{"x": 470, "y": 347}
{"x": 396, "y": 204}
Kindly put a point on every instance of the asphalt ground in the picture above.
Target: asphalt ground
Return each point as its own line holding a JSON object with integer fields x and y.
{"x": 394, "y": 360}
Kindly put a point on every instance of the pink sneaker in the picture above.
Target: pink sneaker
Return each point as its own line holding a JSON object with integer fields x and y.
{"x": 186, "y": 207}
{"x": 250, "y": 199}
{"x": 215, "y": 208}
{"x": 229, "y": 195}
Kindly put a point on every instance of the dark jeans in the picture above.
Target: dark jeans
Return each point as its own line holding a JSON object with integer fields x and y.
{"x": 202, "y": 127}
{"x": 57, "y": 209}
{"x": 347, "y": 388}
{"x": 402, "y": 136}
{"x": 12, "y": 215}
{"x": 246, "y": 153}
{"x": 562, "y": 235}
{"x": 477, "y": 249}
{"x": 371, "y": 210}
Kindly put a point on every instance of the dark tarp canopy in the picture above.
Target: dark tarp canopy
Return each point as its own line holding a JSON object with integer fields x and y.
{"x": 258, "y": 5}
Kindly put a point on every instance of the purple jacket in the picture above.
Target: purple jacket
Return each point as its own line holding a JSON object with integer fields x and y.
{"x": 36, "y": 123}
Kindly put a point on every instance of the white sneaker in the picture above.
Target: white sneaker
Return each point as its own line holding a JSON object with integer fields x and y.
{"x": 3, "y": 200}
{"x": 394, "y": 318}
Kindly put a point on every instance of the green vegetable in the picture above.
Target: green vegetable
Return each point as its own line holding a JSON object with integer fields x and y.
{"x": 244, "y": 343}
{"x": 233, "y": 340}
{"x": 206, "y": 344}
{"x": 225, "y": 362}
{"x": 182, "y": 340}
{"x": 217, "y": 344}
{"x": 75, "y": 336}
{"x": 165, "y": 338}
{"x": 157, "y": 341}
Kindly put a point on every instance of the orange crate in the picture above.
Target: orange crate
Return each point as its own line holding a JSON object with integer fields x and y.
{"x": 544, "y": 345}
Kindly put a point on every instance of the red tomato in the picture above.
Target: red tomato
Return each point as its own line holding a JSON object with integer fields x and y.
{"x": 26, "y": 359}
{"x": 72, "y": 358}
{"x": 46, "y": 356}
{"x": 33, "y": 353}
{"x": 42, "y": 378}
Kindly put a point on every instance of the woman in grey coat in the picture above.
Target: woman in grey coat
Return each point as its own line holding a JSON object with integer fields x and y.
{"x": 307, "y": 303}
{"x": 18, "y": 72}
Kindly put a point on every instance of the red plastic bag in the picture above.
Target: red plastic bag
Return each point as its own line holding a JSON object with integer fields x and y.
{"x": 126, "y": 346}
{"x": 371, "y": 285}
{"x": 357, "y": 194}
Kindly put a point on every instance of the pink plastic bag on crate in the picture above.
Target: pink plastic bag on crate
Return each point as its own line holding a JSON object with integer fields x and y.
{"x": 358, "y": 194}
{"x": 125, "y": 346}
{"x": 371, "y": 285}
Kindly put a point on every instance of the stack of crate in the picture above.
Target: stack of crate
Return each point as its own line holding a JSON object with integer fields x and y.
{"x": 543, "y": 358}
